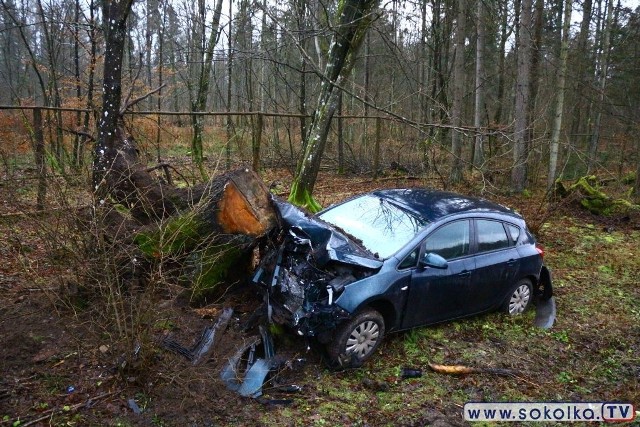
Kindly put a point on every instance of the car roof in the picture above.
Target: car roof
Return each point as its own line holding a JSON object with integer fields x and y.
{"x": 432, "y": 205}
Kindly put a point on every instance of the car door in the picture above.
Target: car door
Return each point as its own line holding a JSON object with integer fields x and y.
{"x": 436, "y": 294}
{"x": 496, "y": 264}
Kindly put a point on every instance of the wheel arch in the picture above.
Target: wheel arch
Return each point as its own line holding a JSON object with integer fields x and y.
{"x": 386, "y": 309}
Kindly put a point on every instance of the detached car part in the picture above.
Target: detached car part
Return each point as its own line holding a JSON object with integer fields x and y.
{"x": 199, "y": 352}
{"x": 245, "y": 372}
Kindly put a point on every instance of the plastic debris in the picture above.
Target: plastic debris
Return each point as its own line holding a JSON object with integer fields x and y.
{"x": 246, "y": 374}
{"x": 205, "y": 345}
{"x": 134, "y": 406}
{"x": 410, "y": 373}
{"x": 545, "y": 313}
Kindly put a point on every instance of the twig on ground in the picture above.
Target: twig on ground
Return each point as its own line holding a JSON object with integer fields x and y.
{"x": 69, "y": 409}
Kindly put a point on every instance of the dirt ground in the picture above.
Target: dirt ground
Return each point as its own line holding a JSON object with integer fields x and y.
{"x": 60, "y": 365}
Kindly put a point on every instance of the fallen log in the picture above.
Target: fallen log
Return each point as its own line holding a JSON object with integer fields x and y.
{"x": 593, "y": 199}
{"x": 207, "y": 230}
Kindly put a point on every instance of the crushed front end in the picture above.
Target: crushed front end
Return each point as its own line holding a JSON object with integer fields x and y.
{"x": 306, "y": 268}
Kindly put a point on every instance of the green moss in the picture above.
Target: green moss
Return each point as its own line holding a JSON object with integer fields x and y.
{"x": 173, "y": 237}
{"x": 211, "y": 267}
{"x": 629, "y": 179}
{"x": 597, "y": 202}
{"x": 301, "y": 196}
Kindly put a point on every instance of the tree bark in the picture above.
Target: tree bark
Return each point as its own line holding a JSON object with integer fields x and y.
{"x": 202, "y": 89}
{"x": 229, "y": 84}
{"x": 478, "y": 157}
{"x": 115, "y": 15}
{"x": 39, "y": 152}
{"x": 458, "y": 93}
{"x": 602, "y": 84}
{"x": 560, "y": 91}
{"x": 521, "y": 126}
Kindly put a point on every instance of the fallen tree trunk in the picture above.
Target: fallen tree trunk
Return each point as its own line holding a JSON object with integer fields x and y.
{"x": 204, "y": 231}
{"x": 594, "y": 199}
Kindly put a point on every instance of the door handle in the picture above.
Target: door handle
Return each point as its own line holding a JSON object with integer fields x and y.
{"x": 464, "y": 274}
{"x": 511, "y": 262}
{"x": 404, "y": 288}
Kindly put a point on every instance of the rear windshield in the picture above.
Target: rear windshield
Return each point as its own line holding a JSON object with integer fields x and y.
{"x": 382, "y": 227}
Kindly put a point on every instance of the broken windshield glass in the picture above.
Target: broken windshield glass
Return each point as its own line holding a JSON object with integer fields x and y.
{"x": 381, "y": 226}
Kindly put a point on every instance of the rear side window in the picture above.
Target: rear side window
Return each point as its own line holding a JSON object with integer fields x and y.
{"x": 514, "y": 232}
{"x": 491, "y": 235}
{"x": 449, "y": 241}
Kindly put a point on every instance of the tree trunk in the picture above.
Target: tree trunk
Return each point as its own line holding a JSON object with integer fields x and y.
{"x": 602, "y": 84}
{"x": 78, "y": 144}
{"x": 536, "y": 53}
{"x": 354, "y": 18}
{"x": 504, "y": 36}
{"x": 340, "y": 137}
{"x": 458, "y": 94}
{"x": 39, "y": 152}
{"x": 582, "y": 70}
{"x": 636, "y": 187}
{"x": 560, "y": 89}
{"x": 229, "y": 83}
{"x": 478, "y": 159}
{"x": 202, "y": 90}
{"x": 115, "y": 15}
{"x": 521, "y": 126}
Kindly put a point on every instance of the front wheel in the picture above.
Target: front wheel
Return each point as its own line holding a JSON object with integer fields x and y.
{"x": 357, "y": 339}
{"x": 519, "y": 299}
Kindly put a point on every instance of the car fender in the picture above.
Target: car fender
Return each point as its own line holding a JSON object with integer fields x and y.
{"x": 390, "y": 286}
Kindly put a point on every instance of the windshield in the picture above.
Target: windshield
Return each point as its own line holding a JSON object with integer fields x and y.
{"x": 382, "y": 227}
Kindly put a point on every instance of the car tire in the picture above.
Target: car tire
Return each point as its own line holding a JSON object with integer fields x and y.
{"x": 357, "y": 339}
{"x": 519, "y": 298}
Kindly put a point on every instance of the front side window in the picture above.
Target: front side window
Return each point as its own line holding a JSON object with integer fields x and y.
{"x": 449, "y": 241}
{"x": 410, "y": 260}
{"x": 491, "y": 235}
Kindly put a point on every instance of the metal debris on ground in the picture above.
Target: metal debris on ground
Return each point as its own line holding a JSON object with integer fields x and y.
{"x": 205, "y": 345}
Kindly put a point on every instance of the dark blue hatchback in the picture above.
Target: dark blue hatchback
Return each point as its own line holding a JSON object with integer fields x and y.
{"x": 396, "y": 259}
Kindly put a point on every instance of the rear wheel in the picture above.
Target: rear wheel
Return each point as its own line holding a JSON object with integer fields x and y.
{"x": 357, "y": 339}
{"x": 519, "y": 298}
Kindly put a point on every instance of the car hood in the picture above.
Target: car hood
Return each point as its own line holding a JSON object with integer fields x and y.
{"x": 327, "y": 242}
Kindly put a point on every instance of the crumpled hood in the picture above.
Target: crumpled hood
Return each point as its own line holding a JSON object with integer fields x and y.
{"x": 327, "y": 242}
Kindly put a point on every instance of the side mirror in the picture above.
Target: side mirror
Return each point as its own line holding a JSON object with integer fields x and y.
{"x": 433, "y": 260}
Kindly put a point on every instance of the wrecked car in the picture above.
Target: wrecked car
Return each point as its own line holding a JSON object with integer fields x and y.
{"x": 396, "y": 259}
